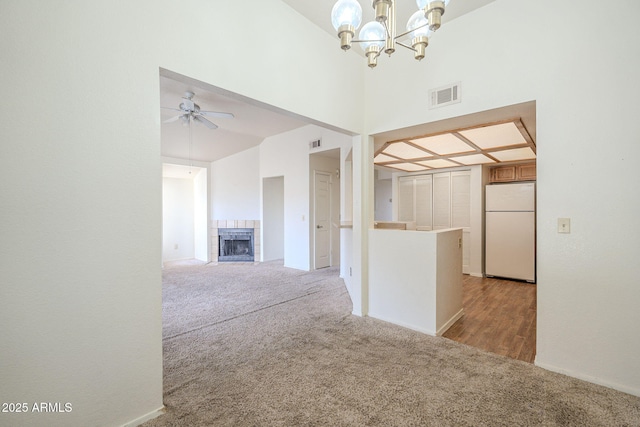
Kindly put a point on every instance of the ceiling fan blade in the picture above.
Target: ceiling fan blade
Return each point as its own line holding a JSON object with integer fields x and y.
{"x": 217, "y": 114}
{"x": 172, "y": 119}
{"x": 205, "y": 122}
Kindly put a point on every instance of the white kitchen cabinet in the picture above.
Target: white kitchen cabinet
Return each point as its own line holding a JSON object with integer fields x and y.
{"x": 441, "y": 200}
{"x": 423, "y": 202}
{"x": 415, "y": 200}
{"x": 406, "y": 198}
{"x": 438, "y": 201}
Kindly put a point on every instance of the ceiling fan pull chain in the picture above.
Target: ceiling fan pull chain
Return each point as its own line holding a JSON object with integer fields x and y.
{"x": 190, "y": 162}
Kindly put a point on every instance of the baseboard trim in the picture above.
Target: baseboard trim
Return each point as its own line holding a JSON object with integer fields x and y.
{"x": 588, "y": 378}
{"x": 404, "y": 325}
{"x": 143, "y": 419}
{"x": 450, "y": 322}
{"x": 480, "y": 275}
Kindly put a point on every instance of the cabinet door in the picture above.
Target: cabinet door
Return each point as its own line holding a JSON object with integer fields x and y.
{"x": 406, "y": 199}
{"x": 461, "y": 199}
{"x": 527, "y": 172}
{"x": 423, "y": 203}
{"x": 503, "y": 174}
{"x": 441, "y": 200}
{"x": 461, "y": 211}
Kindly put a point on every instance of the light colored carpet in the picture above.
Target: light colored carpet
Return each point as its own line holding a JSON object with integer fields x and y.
{"x": 264, "y": 345}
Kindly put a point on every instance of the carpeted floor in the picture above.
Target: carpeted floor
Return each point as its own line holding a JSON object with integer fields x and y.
{"x": 264, "y": 345}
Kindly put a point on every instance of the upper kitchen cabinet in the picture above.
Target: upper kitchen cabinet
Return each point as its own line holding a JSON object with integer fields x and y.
{"x": 513, "y": 173}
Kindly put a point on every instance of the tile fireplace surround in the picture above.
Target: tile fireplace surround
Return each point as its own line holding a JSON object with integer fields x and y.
{"x": 235, "y": 223}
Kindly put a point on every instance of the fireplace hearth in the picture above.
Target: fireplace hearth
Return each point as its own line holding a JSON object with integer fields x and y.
{"x": 235, "y": 245}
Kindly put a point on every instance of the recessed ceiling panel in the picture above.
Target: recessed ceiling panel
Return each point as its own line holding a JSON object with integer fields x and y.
{"x": 438, "y": 163}
{"x": 407, "y": 167}
{"x": 405, "y": 151}
{"x": 514, "y": 154}
{"x": 444, "y": 144}
{"x": 494, "y": 136}
{"x": 472, "y": 159}
{"x": 382, "y": 158}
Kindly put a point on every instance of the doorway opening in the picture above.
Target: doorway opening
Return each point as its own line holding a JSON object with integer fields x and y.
{"x": 324, "y": 168}
{"x": 500, "y": 315}
{"x": 184, "y": 213}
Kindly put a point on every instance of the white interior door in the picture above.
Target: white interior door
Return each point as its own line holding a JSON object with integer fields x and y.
{"x": 322, "y": 220}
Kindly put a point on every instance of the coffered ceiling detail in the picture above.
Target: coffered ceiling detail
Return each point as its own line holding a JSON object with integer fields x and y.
{"x": 505, "y": 141}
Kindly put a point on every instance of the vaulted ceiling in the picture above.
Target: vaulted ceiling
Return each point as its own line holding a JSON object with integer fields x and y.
{"x": 255, "y": 121}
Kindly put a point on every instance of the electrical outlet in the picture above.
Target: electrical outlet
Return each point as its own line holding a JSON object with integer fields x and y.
{"x": 564, "y": 225}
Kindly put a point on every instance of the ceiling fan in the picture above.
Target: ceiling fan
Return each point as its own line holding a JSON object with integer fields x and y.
{"x": 189, "y": 110}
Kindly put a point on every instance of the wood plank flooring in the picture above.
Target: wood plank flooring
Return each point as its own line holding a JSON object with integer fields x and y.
{"x": 500, "y": 317}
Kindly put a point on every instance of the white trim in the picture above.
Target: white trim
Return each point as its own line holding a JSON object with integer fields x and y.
{"x": 450, "y": 322}
{"x": 143, "y": 419}
{"x": 404, "y": 325}
{"x": 588, "y": 378}
{"x": 480, "y": 275}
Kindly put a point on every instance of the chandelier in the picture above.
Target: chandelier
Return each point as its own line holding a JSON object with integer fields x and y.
{"x": 380, "y": 35}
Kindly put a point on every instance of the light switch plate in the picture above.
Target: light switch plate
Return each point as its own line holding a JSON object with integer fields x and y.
{"x": 564, "y": 225}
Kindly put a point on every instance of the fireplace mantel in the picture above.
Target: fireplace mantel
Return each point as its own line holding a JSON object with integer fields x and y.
{"x": 234, "y": 223}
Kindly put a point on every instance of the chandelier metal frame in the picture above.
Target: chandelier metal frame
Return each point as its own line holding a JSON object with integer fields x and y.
{"x": 421, "y": 25}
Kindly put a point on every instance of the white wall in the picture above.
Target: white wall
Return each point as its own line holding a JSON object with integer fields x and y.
{"x": 81, "y": 232}
{"x": 416, "y": 278}
{"x": 383, "y": 199}
{"x": 272, "y": 218}
{"x": 287, "y": 155}
{"x": 479, "y": 178}
{"x": 235, "y": 186}
{"x": 201, "y": 239}
{"x": 60, "y": 323}
{"x": 587, "y": 141}
{"x": 177, "y": 219}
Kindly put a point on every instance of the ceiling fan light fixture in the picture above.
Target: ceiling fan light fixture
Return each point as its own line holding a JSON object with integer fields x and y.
{"x": 189, "y": 111}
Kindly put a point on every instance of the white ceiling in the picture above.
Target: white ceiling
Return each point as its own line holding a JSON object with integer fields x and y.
{"x": 319, "y": 12}
{"x": 252, "y": 123}
{"x": 180, "y": 171}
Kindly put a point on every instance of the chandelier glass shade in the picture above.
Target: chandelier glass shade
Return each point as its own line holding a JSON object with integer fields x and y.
{"x": 380, "y": 35}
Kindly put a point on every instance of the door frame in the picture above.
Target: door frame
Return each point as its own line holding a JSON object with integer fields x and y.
{"x": 314, "y": 224}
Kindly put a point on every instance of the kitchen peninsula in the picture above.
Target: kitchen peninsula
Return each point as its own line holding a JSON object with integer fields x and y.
{"x": 415, "y": 278}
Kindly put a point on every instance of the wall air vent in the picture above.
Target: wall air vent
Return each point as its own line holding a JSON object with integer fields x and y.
{"x": 315, "y": 144}
{"x": 445, "y": 95}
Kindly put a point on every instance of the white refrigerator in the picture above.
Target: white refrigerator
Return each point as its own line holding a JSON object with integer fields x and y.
{"x": 510, "y": 232}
